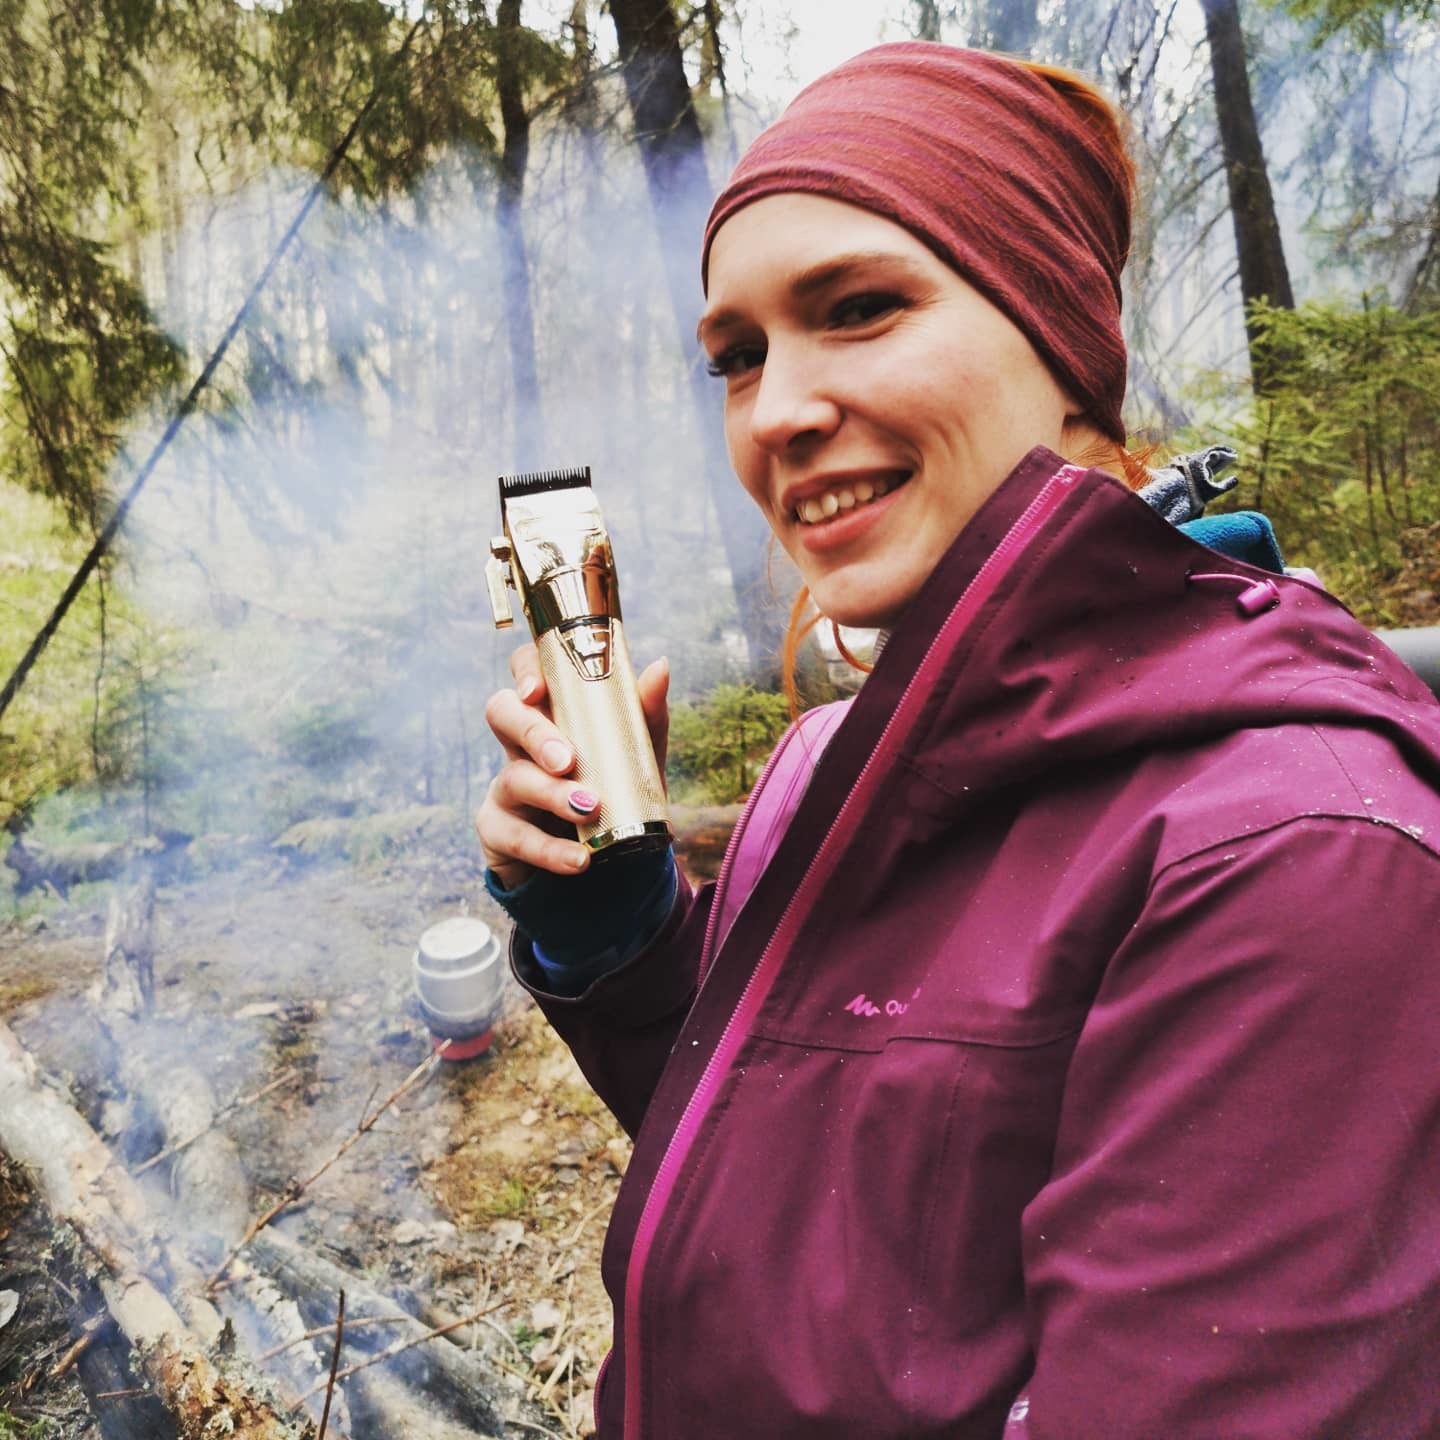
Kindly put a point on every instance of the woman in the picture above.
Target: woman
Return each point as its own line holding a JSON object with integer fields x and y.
{"x": 1068, "y": 1068}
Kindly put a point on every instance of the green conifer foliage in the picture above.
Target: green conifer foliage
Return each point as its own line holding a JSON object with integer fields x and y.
{"x": 1344, "y": 454}
{"x": 78, "y": 348}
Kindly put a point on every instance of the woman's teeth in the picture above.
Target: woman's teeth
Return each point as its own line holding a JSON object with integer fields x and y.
{"x": 816, "y": 508}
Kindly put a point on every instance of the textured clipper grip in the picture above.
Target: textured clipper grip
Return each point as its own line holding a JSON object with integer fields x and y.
{"x": 604, "y": 722}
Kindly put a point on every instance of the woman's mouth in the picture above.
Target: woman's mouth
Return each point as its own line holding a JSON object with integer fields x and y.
{"x": 847, "y": 496}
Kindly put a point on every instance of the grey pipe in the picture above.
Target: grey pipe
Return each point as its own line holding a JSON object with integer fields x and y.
{"x": 1419, "y": 648}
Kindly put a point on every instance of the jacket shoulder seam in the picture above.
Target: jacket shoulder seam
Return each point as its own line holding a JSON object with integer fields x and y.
{"x": 1341, "y": 766}
{"x": 1341, "y": 818}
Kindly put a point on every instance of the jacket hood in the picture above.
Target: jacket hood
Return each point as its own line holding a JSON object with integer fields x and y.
{"x": 1111, "y": 630}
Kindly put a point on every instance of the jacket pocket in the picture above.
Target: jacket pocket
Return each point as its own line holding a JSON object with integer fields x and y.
{"x": 880, "y": 1241}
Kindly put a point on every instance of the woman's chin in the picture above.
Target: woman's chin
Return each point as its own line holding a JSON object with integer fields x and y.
{"x": 860, "y": 609}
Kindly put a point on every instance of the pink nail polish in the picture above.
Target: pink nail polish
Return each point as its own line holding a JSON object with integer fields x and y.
{"x": 583, "y": 801}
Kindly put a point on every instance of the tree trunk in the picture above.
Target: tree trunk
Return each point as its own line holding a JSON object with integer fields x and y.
{"x": 1263, "y": 273}
{"x": 519, "y": 313}
{"x": 667, "y": 130}
{"x": 926, "y": 19}
{"x": 1427, "y": 267}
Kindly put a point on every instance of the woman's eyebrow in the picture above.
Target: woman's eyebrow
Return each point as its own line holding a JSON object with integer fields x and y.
{"x": 816, "y": 277}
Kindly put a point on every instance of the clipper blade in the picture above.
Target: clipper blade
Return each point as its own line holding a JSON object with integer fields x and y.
{"x": 534, "y": 482}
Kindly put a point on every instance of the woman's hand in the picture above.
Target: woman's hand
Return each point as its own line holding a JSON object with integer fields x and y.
{"x": 526, "y": 821}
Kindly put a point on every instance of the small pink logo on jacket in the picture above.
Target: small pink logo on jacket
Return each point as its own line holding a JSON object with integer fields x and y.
{"x": 863, "y": 1006}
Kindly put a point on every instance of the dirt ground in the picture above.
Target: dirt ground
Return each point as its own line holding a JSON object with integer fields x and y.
{"x": 490, "y": 1183}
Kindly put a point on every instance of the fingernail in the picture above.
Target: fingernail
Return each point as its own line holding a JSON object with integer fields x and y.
{"x": 529, "y": 688}
{"x": 579, "y": 857}
{"x": 583, "y": 801}
{"x": 555, "y": 754}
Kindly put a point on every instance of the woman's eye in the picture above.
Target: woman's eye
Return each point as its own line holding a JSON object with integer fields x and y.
{"x": 736, "y": 360}
{"x": 861, "y": 309}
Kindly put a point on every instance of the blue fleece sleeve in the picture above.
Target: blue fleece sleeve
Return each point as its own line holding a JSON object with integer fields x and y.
{"x": 582, "y": 926}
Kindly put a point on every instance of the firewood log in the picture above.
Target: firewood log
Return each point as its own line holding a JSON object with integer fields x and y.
{"x": 83, "y": 1188}
{"x": 208, "y": 1179}
{"x": 463, "y": 1381}
{"x": 208, "y": 1183}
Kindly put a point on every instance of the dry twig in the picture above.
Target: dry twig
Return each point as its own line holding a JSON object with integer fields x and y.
{"x": 297, "y": 1188}
{"x": 538, "y": 1429}
{"x": 89, "y": 1333}
{"x": 397, "y": 1348}
{"x": 532, "y": 1387}
{"x": 317, "y": 1331}
{"x": 334, "y": 1365}
{"x": 224, "y": 1113}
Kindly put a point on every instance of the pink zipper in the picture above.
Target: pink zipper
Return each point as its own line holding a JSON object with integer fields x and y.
{"x": 1051, "y": 495}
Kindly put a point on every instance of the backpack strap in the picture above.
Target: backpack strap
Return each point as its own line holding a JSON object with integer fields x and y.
{"x": 764, "y": 820}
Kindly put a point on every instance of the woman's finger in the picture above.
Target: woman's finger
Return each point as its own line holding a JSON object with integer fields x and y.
{"x": 518, "y": 822}
{"x": 529, "y": 679}
{"x": 653, "y": 683}
{"x": 514, "y": 851}
{"x": 525, "y": 730}
{"x": 524, "y": 789}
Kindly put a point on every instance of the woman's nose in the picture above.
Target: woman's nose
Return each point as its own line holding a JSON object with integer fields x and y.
{"x": 792, "y": 403}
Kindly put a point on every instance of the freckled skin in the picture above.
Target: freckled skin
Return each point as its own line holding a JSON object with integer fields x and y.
{"x": 893, "y": 365}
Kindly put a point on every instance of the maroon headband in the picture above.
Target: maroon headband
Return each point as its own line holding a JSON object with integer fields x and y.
{"x": 984, "y": 161}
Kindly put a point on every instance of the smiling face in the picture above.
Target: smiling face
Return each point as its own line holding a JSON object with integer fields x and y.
{"x": 873, "y": 399}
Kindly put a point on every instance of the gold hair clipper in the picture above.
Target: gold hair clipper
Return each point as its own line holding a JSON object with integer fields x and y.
{"x": 556, "y": 553}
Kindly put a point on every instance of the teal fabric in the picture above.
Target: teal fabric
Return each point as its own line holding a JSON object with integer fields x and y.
{"x": 1242, "y": 535}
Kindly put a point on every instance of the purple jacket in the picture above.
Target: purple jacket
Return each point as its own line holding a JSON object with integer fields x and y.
{"x": 1071, "y": 1069}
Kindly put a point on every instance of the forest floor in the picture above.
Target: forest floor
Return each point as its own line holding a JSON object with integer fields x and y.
{"x": 492, "y": 1182}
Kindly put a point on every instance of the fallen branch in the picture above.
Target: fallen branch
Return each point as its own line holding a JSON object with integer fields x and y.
{"x": 82, "y": 1186}
{"x": 297, "y": 1188}
{"x": 270, "y": 1320}
{"x": 532, "y": 1389}
{"x": 465, "y": 1382}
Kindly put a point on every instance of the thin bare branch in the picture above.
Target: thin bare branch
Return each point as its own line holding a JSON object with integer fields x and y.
{"x": 224, "y": 1113}
{"x": 334, "y": 1366}
{"x": 399, "y": 1347}
{"x": 297, "y": 1188}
